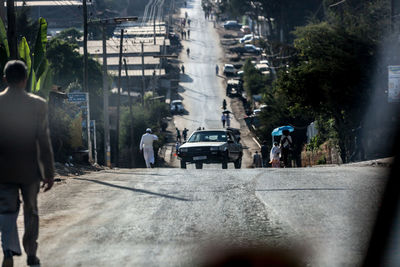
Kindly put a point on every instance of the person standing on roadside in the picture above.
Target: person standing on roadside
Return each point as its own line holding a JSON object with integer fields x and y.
{"x": 26, "y": 160}
{"x": 217, "y": 70}
{"x": 188, "y": 33}
{"x": 178, "y": 135}
{"x": 146, "y": 145}
{"x": 286, "y": 146}
{"x": 223, "y": 120}
{"x": 228, "y": 120}
{"x": 184, "y": 133}
{"x": 264, "y": 154}
{"x": 275, "y": 156}
{"x": 257, "y": 160}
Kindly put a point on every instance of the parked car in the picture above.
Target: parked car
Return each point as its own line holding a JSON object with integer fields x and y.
{"x": 232, "y": 25}
{"x": 177, "y": 107}
{"x": 237, "y": 49}
{"x": 248, "y": 38}
{"x": 240, "y": 73}
{"x": 263, "y": 68}
{"x": 229, "y": 69}
{"x": 245, "y": 29}
{"x": 212, "y": 146}
{"x": 266, "y": 62}
{"x": 252, "y": 49}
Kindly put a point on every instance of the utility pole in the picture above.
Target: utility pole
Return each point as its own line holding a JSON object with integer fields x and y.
{"x": 143, "y": 78}
{"x": 154, "y": 29}
{"x": 392, "y": 15}
{"x": 85, "y": 77}
{"x": 119, "y": 97}
{"x": 104, "y": 23}
{"x": 107, "y": 149}
{"x": 11, "y": 30}
{"x": 131, "y": 156}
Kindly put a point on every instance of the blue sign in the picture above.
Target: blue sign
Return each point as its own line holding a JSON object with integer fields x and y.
{"x": 77, "y": 97}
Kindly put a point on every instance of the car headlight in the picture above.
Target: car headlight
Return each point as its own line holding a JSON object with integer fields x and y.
{"x": 183, "y": 150}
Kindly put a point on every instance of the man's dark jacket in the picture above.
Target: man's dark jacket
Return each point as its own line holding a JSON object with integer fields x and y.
{"x": 26, "y": 154}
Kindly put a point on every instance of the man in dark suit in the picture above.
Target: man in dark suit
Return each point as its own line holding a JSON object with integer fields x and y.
{"x": 26, "y": 156}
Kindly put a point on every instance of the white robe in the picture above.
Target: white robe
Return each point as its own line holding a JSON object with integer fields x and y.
{"x": 146, "y": 144}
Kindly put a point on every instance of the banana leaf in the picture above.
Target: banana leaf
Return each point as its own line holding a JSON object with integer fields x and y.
{"x": 4, "y": 49}
{"x": 3, "y": 39}
{"x": 40, "y": 61}
{"x": 45, "y": 82}
{"x": 25, "y": 54}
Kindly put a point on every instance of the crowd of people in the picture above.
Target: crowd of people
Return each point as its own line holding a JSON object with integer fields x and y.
{"x": 279, "y": 154}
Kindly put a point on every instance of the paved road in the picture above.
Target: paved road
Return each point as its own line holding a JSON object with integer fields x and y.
{"x": 166, "y": 217}
{"x": 200, "y": 88}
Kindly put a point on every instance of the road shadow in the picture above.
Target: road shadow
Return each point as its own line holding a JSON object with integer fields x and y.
{"x": 185, "y": 78}
{"x": 302, "y": 189}
{"x": 133, "y": 189}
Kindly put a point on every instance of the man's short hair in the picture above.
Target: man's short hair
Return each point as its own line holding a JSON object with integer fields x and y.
{"x": 15, "y": 71}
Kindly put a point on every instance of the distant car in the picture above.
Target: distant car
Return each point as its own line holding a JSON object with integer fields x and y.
{"x": 232, "y": 25}
{"x": 245, "y": 29}
{"x": 234, "y": 87}
{"x": 248, "y": 38}
{"x": 240, "y": 73}
{"x": 252, "y": 49}
{"x": 177, "y": 106}
{"x": 229, "y": 69}
{"x": 264, "y": 62}
{"x": 212, "y": 146}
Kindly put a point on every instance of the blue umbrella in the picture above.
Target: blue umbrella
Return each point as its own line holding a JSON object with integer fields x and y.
{"x": 278, "y": 131}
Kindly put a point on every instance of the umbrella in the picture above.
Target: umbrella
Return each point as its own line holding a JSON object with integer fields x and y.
{"x": 226, "y": 111}
{"x": 278, "y": 131}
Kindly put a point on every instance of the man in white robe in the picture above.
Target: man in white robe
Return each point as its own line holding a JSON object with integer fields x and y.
{"x": 146, "y": 145}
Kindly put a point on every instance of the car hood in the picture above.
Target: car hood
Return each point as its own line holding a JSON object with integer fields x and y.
{"x": 202, "y": 144}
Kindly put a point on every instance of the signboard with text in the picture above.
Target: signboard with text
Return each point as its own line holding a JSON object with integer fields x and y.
{"x": 394, "y": 84}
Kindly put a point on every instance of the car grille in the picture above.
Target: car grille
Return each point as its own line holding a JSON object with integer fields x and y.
{"x": 199, "y": 149}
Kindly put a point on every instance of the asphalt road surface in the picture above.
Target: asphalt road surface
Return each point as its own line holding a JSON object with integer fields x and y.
{"x": 201, "y": 89}
{"x": 167, "y": 217}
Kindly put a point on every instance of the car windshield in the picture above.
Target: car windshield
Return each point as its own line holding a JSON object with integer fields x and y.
{"x": 214, "y": 136}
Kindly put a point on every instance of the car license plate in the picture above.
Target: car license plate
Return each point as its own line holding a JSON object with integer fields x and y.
{"x": 199, "y": 157}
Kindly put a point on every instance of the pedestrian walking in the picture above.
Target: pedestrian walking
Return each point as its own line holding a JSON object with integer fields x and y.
{"x": 188, "y": 22}
{"x": 24, "y": 146}
{"x": 224, "y": 104}
{"x": 184, "y": 35}
{"x": 286, "y": 147}
{"x": 257, "y": 162}
{"x": 274, "y": 156}
{"x": 185, "y": 4}
{"x": 177, "y": 146}
{"x": 178, "y": 135}
{"x": 188, "y": 33}
{"x": 216, "y": 69}
{"x": 186, "y": 15}
{"x": 188, "y": 51}
{"x": 264, "y": 154}
{"x": 184, "y": 133}
{"x": 223, "y": 120}
{"x": 183, "y": 69}
{"x": 228, "y": 120}
{"x": 146, "y": 145}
